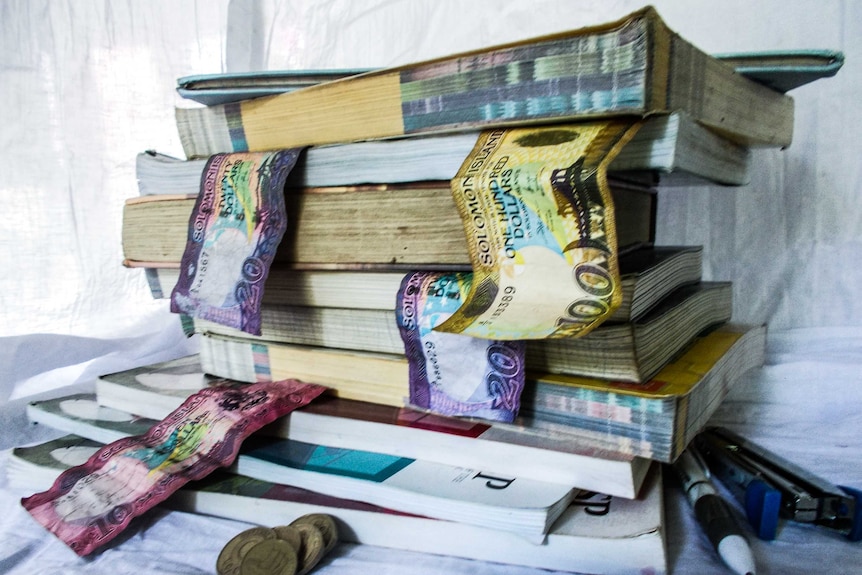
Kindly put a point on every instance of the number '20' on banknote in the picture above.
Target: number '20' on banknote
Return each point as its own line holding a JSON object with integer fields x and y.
{"x": 238, "y": 220}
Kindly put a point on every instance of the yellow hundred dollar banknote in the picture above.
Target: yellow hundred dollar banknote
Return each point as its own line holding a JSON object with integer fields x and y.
{"x": 540, "y": 227}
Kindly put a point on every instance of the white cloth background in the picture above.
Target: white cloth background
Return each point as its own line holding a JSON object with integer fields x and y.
{"x": 85, "y": 85}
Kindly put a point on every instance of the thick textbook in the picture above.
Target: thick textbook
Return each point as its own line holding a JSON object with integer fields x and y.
{"x": 657, "y": 419}
{"x": 153, "y": 391}
{"x": 596, "y": 534}
{"x": 401, "y": 226}
{"x": 634, "y": 66}
{"x": 648, "y": 273}
{"x": 631, "y": 351}
{"x": 654, "y": 419}
{"x": 674, "y": 147}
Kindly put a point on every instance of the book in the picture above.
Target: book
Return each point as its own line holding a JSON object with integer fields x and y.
{"x": 656, "y": 419}
{"x": 156, "y": 390}
{"x": 674, "y": 147}
{"x": 673, "y": 404}
{"x": 634, "y": 66}
{"x": 647, "y": 274}
{"x": 463, "y": 494}
{"x": 221, "y": 88}
{"x": 785, "y": 70}
{"x": 81, "y": 414}
{"x": 631, "y": 351}
{"x": 466, "y": 494}
{"x": 596, "y": 534}
{"x": 779, "y": 69}
{"x": 381, "y": 227}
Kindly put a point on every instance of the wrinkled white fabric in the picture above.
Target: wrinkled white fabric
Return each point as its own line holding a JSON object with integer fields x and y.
{"x": 85, "y": 85}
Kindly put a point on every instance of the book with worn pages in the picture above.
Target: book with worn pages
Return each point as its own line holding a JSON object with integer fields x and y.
{"x": 647, "y": 274}
{"x": 625, "y": 351}
{"x": 656, "y": 419}
{"x": 674, "y": 147}
{"x": 597, "y": 533}
{"x": 381, "y": 227}
{"x": 634, "y": 66}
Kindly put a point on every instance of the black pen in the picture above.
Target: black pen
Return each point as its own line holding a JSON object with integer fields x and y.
{"x": 714, "y": 514}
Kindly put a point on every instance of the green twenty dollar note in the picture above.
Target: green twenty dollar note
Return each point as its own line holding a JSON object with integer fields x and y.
{"x": 539, "y": 221}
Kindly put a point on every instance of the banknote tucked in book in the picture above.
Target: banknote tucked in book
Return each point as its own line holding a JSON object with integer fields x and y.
{"x": 236, "y": 225}
{"x": 539, "y": 224}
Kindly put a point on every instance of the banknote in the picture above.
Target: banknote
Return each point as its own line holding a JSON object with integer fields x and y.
{"x": 539, "y": 222}
{"x": 90, "y": 504}
{"x": 236, "y": 225}
{"x": 451, "y": 373}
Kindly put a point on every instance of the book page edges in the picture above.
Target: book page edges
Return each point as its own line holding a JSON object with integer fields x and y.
{"x": 713, "y": 93}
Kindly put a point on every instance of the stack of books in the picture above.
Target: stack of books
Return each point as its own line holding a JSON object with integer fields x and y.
{"x": 577, "y": 474}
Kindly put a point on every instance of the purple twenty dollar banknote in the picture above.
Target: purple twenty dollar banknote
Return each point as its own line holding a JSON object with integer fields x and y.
{"x": 90, "y": 504}
{"x": 236, "y": 225}
{"x": 454, "y": 374}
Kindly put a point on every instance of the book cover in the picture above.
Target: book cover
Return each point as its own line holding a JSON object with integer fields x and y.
{"x": 466, "y": 495}
{"x": 785, "y": 70}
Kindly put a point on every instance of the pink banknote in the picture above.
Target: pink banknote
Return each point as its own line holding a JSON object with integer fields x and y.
{"x": 91, "y": 504}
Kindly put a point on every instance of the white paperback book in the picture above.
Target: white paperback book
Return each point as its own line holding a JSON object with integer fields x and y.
{"x": 597, "y": 533}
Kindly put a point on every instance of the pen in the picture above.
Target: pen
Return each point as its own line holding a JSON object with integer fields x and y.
{"x": 713, "y": 513}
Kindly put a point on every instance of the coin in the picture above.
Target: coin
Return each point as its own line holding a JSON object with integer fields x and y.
{"x": 290, "y": 534}
{"x": 230, "y": 558}
{"x": 270, "y": 557}
{"x": 312, "y": 550}
{"x": 327, "y": 526}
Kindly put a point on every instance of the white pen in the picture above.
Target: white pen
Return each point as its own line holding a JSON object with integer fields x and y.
{"x": 713, "y": 513}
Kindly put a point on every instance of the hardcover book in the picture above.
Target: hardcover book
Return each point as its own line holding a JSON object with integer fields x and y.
{"x": 634, "y": 66}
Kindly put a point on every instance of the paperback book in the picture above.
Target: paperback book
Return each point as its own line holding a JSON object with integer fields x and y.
{"x": 599, "y": 411}
{"x": 656, "y": 419}
{"x": 634, "y": 66}
{"x": 596, "y": 533}
{"x": 648, "y": 273}
{"x": 379, "y": 227}
{"x": 153, "y": 391}
{"x": 673, "y": 147}
{"x": 465, "y": 494}
{"x": 626, "y": 351}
